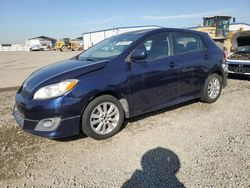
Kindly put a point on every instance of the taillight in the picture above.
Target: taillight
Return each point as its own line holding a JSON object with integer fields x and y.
{"x": 224, "y": 56}
{"x": 224, "y": 63}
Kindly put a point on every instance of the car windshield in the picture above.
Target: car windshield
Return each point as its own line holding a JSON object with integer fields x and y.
{"x": 109, "y": 48}
{"x": 244, "y": 49}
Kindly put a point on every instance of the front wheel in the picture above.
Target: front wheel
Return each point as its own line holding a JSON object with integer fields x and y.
{"x": 212, "y": 88}
{"x": 102, "y": 118}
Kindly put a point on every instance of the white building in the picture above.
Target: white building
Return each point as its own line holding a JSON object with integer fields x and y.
{"x": 92, "y": 38}
{"x": 12, "y": 47}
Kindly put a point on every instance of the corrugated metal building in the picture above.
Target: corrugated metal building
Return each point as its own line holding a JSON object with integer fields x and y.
{"x": 92, "y": 38}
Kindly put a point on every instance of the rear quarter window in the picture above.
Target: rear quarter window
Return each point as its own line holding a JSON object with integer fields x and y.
{"x": 187, "y": 42}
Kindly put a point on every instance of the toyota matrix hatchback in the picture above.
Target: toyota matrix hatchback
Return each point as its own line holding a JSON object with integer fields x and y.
{"x": 121, "y": 77}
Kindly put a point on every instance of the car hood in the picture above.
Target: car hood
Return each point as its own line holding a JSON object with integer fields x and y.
{"x": 239, "y": 39}
{"x": 57, "y": 72}
{"x": 243, "y": 49}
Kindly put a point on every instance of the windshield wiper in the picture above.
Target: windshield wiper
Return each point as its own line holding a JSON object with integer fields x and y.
{"x": 89, "y": 59}
{"x": 85, "y": 59}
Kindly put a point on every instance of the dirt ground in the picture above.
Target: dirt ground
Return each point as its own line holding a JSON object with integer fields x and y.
{"x": 189, "y": 145}
{"x": 16, "y": 66}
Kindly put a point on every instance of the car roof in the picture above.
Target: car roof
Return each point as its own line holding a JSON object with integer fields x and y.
{"x": 146, "y": 31}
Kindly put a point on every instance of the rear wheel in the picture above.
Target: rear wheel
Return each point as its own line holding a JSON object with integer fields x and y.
{"x": 212, "y": 88}
{"x": 103, "y": 117}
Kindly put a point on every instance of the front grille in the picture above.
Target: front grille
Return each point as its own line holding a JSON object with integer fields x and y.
{"x": 239, "y": 68}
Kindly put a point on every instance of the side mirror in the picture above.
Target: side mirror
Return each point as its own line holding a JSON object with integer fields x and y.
{"x": 138, "y": 54}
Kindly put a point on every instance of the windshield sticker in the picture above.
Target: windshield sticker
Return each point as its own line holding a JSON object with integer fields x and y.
{"x": 123, "y": 43}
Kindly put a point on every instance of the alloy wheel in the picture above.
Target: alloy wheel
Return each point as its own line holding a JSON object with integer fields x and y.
{"x": 214, "y": 88}
{"x": 104, "y": 118}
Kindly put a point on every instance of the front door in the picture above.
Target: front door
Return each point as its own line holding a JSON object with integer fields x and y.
{"x": 154, "y": 80}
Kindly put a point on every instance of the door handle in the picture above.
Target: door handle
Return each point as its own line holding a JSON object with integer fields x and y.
{"x": 172, "y": 64}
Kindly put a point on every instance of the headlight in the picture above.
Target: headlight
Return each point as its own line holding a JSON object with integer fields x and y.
{"x": 55, "y": 90}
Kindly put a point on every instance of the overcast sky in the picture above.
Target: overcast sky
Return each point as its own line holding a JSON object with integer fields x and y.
{"x": 23, "y": 19}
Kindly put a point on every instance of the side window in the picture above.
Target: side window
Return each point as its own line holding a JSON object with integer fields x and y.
{"x": 158, "y": 46}
{"x": 186, "y": 42}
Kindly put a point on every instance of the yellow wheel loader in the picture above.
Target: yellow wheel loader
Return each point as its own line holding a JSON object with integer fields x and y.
{"x": 217, "y": 27}
{"x": 66, "y": 45}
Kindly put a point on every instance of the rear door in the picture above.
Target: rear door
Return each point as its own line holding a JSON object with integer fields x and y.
{"x": 191, "y": 58}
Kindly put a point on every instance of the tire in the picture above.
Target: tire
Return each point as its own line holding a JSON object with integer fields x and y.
{"x": 103, "y": 126}
{"x": 211, "y": 86}
{"x": 64, "y": 48}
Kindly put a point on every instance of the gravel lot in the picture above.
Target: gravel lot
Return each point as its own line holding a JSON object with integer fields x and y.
{"x": 16, "y": 66}
{"x": 189, "y": 145}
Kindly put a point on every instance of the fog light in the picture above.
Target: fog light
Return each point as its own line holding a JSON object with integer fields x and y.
{"x": 48, "y": 123}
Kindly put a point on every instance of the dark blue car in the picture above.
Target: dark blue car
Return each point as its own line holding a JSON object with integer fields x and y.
{"x": 120, "y": 77}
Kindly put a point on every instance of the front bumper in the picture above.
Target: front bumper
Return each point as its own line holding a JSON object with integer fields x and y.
{"x": 62, "y": 128}
{"x": 238, "y": 67}
{"x": 64, "y": 112}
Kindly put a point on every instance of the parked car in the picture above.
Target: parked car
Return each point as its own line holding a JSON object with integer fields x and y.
{"x": 121, "y": 77}
{"x": 239, "y": 62}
